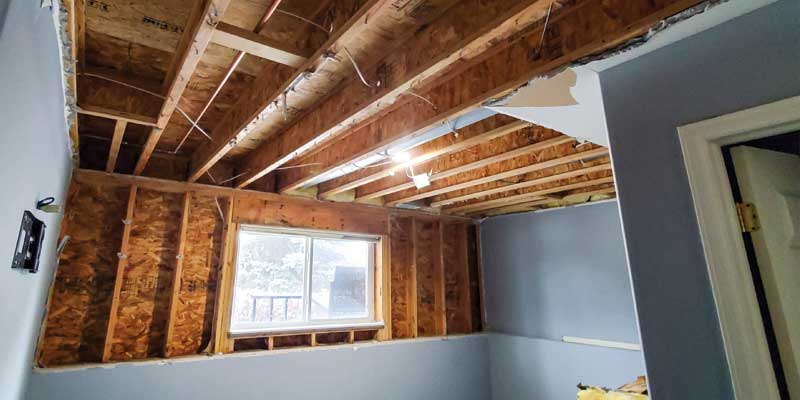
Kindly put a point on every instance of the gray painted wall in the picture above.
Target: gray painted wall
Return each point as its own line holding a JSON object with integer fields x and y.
{"x": 34, "y": 163}
{"x": 553, "y": 274}
{"x": 749, "y": 61}
{"x": 423, "y": 369}
{"x": 558, "y": 273}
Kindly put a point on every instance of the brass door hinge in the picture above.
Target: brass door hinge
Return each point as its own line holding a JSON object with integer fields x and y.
{"x": 748, "y": 218}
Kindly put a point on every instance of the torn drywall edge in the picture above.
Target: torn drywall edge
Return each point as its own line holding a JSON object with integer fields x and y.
{"x": 60, "y": 14}
{"x": 255, "y": 353}
{"x": 618, "y": 50}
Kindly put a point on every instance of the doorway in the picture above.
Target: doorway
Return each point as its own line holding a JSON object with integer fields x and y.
{"x": 759, "y": 365}
{"x": 764, "y": 175}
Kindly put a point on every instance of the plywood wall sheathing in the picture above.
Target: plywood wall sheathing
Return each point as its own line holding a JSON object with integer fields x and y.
{"x": 456, "y": 278}
{"x": 426, "y": 256}
{"x": 78, "y": 312}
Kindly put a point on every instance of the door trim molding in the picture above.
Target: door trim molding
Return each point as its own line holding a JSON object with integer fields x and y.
{"x": 731, "y": 281}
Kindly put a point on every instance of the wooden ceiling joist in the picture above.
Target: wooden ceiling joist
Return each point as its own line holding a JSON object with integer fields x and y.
{"x": 251, "y": 42}
{"x": 533, "y": 205}
{"x": 525, "y": 197}
{"x": 126, "y": 117}
{"x": 582, "y": 29}
{"x": 521, "y": 151}
{"x": 465, "y": 144}
{"x": 197, "y": 36}
{"x": 253, "y": 104}
{"x": 470, "y": 26}
{"x": 504, "y": 175}
{"x": 523, "y": 184}
{"x": 116, "y": 142}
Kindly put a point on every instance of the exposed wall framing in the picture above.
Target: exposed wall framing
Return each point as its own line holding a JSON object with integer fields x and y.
{"x": 158, "y": 253}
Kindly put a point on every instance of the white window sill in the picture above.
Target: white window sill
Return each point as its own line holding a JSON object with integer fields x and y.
{"x": 315, "y": 328}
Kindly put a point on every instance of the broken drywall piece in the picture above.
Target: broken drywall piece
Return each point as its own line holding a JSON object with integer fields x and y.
{"x": 547, "y": 92}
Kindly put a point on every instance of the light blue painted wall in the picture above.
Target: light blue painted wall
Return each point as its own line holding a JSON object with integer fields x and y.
{"x": 401, "y": 370}
{"x": 34, "y": 163}
{"x": 553, "y": 274}
{"x": 749, "y": 61}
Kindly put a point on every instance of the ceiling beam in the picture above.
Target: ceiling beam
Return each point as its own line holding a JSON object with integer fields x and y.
{"x": 464, "y": 30}
{"x": 521, "y": 151}
{"x": 116, "y": 142}
{"x": 523, "y": 184}
{"x": 197, "y": 36}
{"x": 582, "y": 29}
{"x": 253, "y": 104}
{"x": 532, "y": 205}
{"x": 503, "y": 175}
{"x": 455, "y": 147}
{"x": 97, "y": 111}
{"x": 532, "y": 196}
{"x": 258, "y": 45}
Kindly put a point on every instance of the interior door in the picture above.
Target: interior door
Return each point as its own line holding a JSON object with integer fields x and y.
{"x": 770, "y": 180}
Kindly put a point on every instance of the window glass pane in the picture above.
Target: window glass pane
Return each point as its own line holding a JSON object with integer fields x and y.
{"x": 269, "y": 279}
{"x": 340, "y": 271}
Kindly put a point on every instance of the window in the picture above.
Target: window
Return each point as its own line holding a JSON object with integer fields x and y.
{"x": 289, "y": 280}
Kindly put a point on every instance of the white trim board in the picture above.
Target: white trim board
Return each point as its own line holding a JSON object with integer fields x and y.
{"x": 731, "y": 282}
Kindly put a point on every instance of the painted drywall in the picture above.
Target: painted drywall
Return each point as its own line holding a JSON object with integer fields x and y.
{"x": 553, "y": 274}
{"x": 432, "y": 369}
{"x": 527, "y": 368}
{"x": 34, "y": 163}
{"x": 749, "y": 61}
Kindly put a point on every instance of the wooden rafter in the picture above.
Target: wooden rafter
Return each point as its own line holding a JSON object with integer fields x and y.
{"x": 530, "y": 196}
{"x": 251, "y": 42}
{"x": 523, "y": 184}
{"x": 197, "y": 36}
{"x": 504, "y": 175}
{"x": 470, "y": 26}
{"x": 116, "y": 142}
{"x": 532, "y": 205}
{"x": 455, "y": 147}
{"x": 531, "y": 148}
{"x": 582, "y": 29}
{"x": 251, "y": 105}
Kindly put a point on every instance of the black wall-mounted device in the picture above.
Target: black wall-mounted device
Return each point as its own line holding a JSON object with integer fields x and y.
{"x": 29, "y": 243}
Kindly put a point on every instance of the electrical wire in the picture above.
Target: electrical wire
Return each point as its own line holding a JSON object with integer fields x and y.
{"x": 328, "y": 31}
{"x": 355, "y": 65}
{"x": 160, "y": 96}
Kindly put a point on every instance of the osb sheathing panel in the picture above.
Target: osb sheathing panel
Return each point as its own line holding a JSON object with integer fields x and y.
{"x": 81, "y": 298}
{"x": 426, "y": 297}
{"x": 332, "y": 338}
{"x": 292, "y": 341}
{"x": 197, "y": 293}
{"x": 145, "y": 293}
{"x": 402, "y": 258}
{"x": 455, "y": 267}
{"x": 299, "y": 213}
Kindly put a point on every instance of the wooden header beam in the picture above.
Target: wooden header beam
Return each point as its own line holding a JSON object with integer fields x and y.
{"x": 197, "y": 36}
{"x": 470, "y": 26}
{"x": 577, "y": 31}
{"x": 258, "y": 45}
{"x": 455, "y": 147}
{"x": 503, "y": 175}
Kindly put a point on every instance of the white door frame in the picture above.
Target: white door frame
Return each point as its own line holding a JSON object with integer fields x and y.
{"x": 731, "y": 281}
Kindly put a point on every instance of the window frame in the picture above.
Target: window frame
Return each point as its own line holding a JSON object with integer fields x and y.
{"x": 307, "y": 324}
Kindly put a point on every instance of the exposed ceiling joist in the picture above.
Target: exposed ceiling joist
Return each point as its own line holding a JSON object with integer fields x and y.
{"x": 116, "y": 142}
{"x": 253, "y": 104}
{"x": 532, "y": 196}
{"x": 251, "y": 42}
{"x": 98, "y": 111}
{"x": 421, "y": 158}
{"x": 582, "y": 29}
{"x": 521, "y": 151}
{"x": 504, "y": 175}
{"x": 533, "y": 205}
{"x": 523, "y": 184}
{"x": 470, "y": 27}
{"x": 196, "y": 37}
